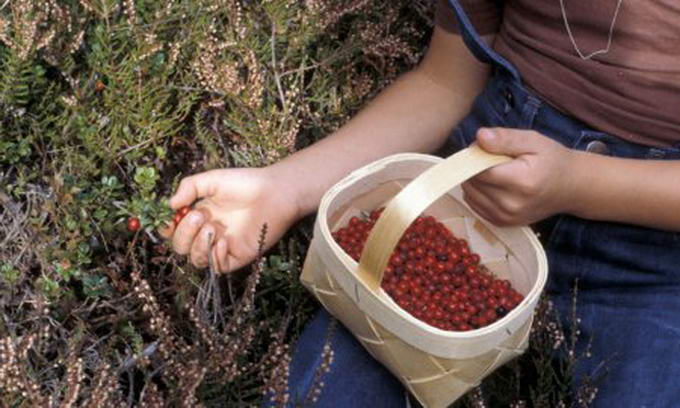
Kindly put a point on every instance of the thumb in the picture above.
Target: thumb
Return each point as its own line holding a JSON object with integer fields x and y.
{"x": 511, "y": 142}
{"x": 192, "y": 188}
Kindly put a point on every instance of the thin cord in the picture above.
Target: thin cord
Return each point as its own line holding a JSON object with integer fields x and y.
{"x": 573, "y": 41}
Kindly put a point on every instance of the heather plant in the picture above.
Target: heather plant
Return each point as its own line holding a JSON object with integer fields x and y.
{"x": 104, "y": 105}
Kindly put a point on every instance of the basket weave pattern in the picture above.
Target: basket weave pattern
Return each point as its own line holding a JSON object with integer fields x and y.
{"x": 436, "y": 366}
{"x": 433, "y": 380}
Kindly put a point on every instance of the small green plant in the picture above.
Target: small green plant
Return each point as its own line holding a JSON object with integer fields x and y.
{"x": 145, "y": 205}
{"x": 49, "y": 287}
{"x": 10, "y": 274}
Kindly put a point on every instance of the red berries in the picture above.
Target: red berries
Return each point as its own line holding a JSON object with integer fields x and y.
{"x": 435, "y": 276}
{"x": 184, "y": 210}
{"x": 133, "y": 224}
{"x": 180, "y": 214}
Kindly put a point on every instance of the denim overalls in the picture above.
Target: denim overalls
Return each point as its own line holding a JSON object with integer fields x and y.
{"x": 628, "y": 277}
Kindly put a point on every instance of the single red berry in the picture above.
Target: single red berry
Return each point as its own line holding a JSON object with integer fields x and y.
{"x": 180, "y": 214}
{"x": 133, "y": 224}
{"x": 177, "y": 218}
{"x": 184, "y": 210}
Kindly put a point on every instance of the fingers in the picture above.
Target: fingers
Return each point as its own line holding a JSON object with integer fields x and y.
{"x": 211, "y": 238}
{"x": 502, "y": 175}
{"x": 223, "y": 258}
{"x": 221, "y": 255}
{"x": 186, "y": 231}
{"x": 166, "y": 230}
{"x": 483, "y": 204}
{"x": 192, "y": 188}
{"x": 201, "y": 246}
{"x": 197, "y": 237}
{"x": 511, "y": 142}
{"x": 204, "y": 244}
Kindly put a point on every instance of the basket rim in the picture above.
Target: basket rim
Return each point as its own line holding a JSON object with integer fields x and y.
{"x": 352, "y": 266}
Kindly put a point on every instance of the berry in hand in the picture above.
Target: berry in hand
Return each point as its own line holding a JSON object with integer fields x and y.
{"x": 177, "y": 218}
{"x": 435, "y": 276}
{"x": 180, "y": 214}
{"x": 184, "y": 210}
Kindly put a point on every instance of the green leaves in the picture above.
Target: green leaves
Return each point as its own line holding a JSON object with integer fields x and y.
{"x": 146, "y": 178}
{"x": 96, "y": 286}
{"x": 13, "y": 152}
{"x": 50, "y": 288}
{"x": 151, "y": 211}
{"x": 277, "y": 263}
{"x": 10, "y": 274}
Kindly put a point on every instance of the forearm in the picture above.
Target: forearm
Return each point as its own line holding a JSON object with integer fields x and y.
{"x": 640, "y": 192}
{"x": 414, "y": 114}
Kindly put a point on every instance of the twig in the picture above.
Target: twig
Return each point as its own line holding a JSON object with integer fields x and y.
{"x": 230, "y": 289}
{"x": 191, "y": 88}
{"x": 276, "y": 73}
{"x": 131, "y": 393}
{"x": 101, "y": 234}
{"x": 131, "y": 148}
{"x": 131, "y": 361}
{"x": 335, "y": 56}
{"x": 151, "y": 236}
{"x": 210, "y": 292}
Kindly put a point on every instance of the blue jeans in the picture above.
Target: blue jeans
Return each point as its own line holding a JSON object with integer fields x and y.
{"x": 628, "y": 276}
{"x": 355, "y": 378}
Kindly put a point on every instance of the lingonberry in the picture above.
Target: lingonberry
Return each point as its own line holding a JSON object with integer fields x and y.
{"x": 177, "y": 219}
{"x": 133, "y": 224}
{"x": 434, "y": 275}
{"x": 184, "y": 210}
{"x": 180, "y": 214}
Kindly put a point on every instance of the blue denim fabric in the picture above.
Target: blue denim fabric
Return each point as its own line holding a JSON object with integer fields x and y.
{"x": 628, "y": 276}
{"x": 355, "y": 378}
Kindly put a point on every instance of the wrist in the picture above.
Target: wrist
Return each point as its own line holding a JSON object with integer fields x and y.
{"x": 575, "y": 201}
{"x": 289, "y": 188}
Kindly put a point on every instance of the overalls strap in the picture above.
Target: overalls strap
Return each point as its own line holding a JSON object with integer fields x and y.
{"x": 477, "y": 46}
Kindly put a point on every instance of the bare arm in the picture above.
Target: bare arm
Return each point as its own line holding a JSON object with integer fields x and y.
{"x": 642, "y": 192}
{"x": 414, "y": 114}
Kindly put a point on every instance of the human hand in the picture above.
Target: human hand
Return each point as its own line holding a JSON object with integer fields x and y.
{"x": 536, "y": 184}
{"x": 233, "y": 206}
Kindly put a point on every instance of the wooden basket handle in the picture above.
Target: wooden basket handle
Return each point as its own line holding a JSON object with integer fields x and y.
{"x": 411, "y": 201}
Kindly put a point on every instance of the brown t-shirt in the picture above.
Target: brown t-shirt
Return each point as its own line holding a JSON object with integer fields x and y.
{"x": 618, "y": 71}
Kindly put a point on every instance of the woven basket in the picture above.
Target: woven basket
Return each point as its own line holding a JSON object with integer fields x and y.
{"x": 437, "y": 366}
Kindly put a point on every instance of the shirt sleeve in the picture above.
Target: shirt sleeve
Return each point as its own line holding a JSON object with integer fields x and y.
{"x": 486, "y": 15}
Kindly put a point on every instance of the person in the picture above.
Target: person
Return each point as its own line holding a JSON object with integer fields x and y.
{"x": 584, "y": 97}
